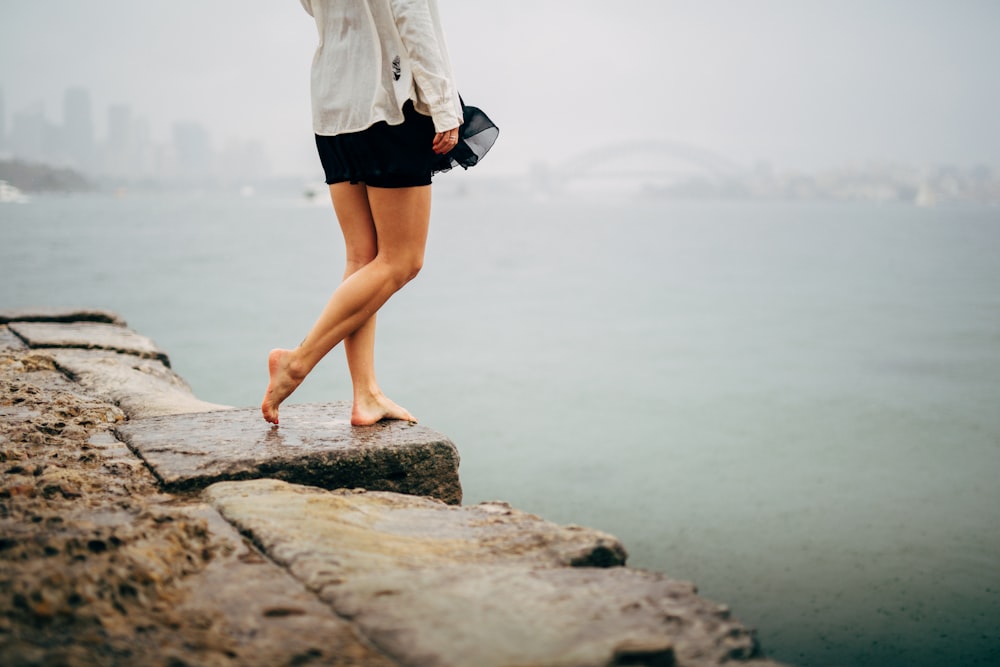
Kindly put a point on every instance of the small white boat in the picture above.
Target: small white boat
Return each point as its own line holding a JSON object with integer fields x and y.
{"x": 10, "y": 194}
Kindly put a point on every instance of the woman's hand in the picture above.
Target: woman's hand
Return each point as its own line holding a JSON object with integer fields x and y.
{"x": 445, "y": 141}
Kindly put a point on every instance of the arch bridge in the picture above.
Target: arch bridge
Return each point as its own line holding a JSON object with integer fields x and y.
{"x": 639, "y": 162}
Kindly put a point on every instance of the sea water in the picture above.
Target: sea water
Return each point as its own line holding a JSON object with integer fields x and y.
{"x": 793, "y": 405}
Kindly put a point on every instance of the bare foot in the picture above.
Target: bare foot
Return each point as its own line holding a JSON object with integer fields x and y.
{"x": 373, "y": 408}
{"x": 282, "y": 383}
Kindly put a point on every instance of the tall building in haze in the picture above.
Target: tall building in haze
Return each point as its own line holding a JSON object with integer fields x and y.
{"x": 78, "y": 128}
{"x": 30, "y": 133}
{"x": 118, "y": 151}
{"x": 194, "y": 151}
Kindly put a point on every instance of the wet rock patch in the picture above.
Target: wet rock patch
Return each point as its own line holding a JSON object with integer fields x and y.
{"x": 315, "y": 445}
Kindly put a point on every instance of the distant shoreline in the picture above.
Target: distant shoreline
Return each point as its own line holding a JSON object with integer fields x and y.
{"x": 37, "y": 177}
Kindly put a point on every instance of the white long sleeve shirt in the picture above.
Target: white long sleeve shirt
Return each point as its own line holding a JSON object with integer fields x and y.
{"x": 373, "y": 56}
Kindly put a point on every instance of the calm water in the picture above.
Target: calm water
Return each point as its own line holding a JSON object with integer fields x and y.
{"x": 792, "y": 405}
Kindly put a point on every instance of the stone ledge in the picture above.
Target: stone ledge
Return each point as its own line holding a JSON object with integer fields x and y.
{"x": 140, "y": 387}
{"x": 392, "y": 530}
{"x": 88, "y": 336}
{"x": 314, "y": 445}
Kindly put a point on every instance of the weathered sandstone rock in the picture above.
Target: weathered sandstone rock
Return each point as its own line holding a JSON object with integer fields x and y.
{"x": 99, "y": 567}
{"x": 493, "y": 616}
{"x": 89, "y": 336}
{"x": 314, "y": 445}
{"x": 268, "y": 617}
{"x": 433, "y": 585}
{"x": 374, "y": 532}
{"x": 87, "y": 566}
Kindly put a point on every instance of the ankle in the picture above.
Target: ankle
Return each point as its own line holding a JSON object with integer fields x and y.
{"x": 367, "y": 393}
{"x": 297, "y": 369}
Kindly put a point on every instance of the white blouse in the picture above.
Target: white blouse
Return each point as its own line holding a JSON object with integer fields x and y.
{"x": 373, "y": 56}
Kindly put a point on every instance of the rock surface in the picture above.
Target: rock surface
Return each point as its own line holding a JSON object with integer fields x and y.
{"x": 280, "y": 622}
{"x": 433, "y": 585}
{"x": 374, "y": 532}
{"x": 140, "y": 387}
{"x": 89, "y": 336}
{"x": 314, "y": 445}
{"x": 110, "y": 361}
{"x": 98, "y": 566}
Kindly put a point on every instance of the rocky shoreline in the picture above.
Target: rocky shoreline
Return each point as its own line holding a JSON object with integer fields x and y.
{"x": 142, "y": 526}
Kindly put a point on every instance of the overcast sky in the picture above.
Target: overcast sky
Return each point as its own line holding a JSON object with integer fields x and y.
{"x": 800, "y": 83}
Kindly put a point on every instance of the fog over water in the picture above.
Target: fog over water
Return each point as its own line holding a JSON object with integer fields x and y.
{"x": 800, "y": 84}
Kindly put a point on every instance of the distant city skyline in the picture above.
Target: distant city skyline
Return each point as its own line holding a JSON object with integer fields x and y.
{"x": 126, "y": 151}
{"x": 126, "y": 154}
{"x": 806, "y": 85}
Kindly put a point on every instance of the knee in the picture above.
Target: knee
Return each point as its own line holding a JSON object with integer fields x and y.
{"x": 403, "y": 270}
{"x": 409, "y": 269}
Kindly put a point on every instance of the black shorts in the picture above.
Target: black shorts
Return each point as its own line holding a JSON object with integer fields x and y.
{"x": 383, "y": 155}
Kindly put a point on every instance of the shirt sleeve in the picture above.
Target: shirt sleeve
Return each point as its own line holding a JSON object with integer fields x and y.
{"x": 307, "y": 5}
{"x": 428, "y": 61}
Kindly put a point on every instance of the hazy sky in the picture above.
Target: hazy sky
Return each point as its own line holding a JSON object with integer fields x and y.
{"x": 800, "y": 83}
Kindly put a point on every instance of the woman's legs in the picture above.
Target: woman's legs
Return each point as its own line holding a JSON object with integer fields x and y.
{"x": 400, "y": 218}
